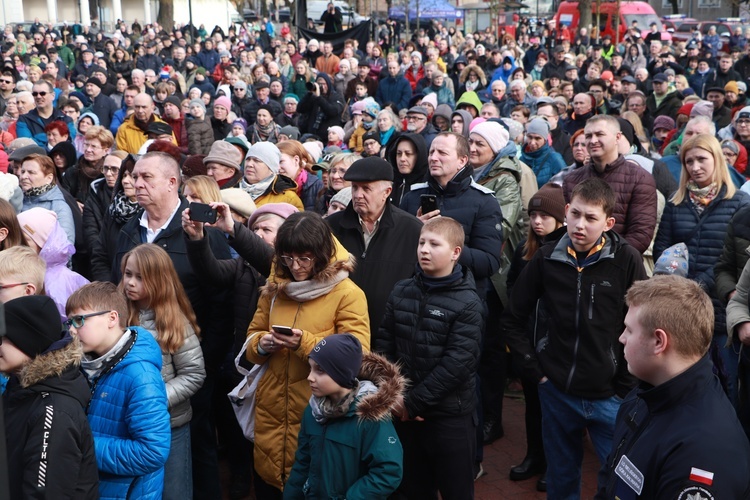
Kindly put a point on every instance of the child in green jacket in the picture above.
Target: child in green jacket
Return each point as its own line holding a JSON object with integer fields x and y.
{"x": 348, "y": 447}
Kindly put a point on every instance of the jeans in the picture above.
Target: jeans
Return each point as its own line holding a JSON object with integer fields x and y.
{"x": 730, "y": 358}
{"x": 178, "y": 474}
{"x": 564, "y": 418}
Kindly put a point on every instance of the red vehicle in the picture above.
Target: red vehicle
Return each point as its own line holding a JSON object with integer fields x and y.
{"x": 568, "y": 14}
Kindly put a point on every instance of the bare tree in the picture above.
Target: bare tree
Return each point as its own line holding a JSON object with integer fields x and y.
{"x": 166, "y": 14}
{"x": 584, "y": 9}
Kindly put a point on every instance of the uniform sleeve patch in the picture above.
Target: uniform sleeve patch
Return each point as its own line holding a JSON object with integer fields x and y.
{"x": 695, "y": 493}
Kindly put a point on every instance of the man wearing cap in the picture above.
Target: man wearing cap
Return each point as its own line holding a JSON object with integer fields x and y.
{"x": 363, "y": 75}
{"x": 86, "y": 66}
{"x": 371, "y": 143}
{"x": 32, "y": 124}
{"x": 101, "y": 105}
{"x": 383, "y": 237}
{"x": 417, "y": 123}
{"x": 556, "y": 66}
{"x": 262, "y": 97}
{"x": 663, "y": 101}
{"x": 223, "y": 164}
{"x": 722, "y": 114}
{"x": 132, "y": 133}
{"x": 701, "y": 79}
{"x": 240, "y": 98}
{"x": 289, "y": 117}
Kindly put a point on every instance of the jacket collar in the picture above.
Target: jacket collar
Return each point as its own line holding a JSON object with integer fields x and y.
{"x": 460, "y": 182}
{"x": 681, "y": 388}
{"x": 612, "y": 243}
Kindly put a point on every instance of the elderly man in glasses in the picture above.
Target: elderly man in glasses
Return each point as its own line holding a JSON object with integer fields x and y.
{"x": 32, "y": 124}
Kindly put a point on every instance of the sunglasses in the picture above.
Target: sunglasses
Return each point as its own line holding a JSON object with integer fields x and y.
{"x": 35, "y": 94}
{"x": 79, "y": 320}
{"x": 6, "y": 81}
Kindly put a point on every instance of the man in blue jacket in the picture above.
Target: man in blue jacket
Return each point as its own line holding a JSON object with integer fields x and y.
{"x": 394, "y": 89}
{"x": 677, "y": 435}
{"x": 32, "y": 123}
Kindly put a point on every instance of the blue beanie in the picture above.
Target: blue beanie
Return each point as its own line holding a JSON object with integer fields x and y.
{"x": 340, "y": 356}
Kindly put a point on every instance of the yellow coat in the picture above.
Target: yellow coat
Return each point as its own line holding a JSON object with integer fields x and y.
{"x": 281, "y": 190}
{"x": 283, "y": 391}
{"x": 130, "y": 138}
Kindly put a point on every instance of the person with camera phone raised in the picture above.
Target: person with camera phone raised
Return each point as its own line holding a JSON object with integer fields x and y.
{"x": 320, "y": 108}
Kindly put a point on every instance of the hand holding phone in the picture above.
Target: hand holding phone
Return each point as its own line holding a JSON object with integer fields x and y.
{"x": 428, "y": 203}
{"x": 283, "y": 330}
{"x": 201, "y": 212}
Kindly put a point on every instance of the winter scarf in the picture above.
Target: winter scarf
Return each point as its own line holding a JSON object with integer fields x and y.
{"x": 122, "y": 209}
{"x": 256, "y": 190}
{"x": 324, "y": 409}
{"x": 701, "y": 197}
{"x": 39, "y": 190}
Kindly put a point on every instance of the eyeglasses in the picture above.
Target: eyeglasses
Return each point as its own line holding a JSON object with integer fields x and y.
{"x": 36, "y": 94}
{"x": 11, "y": 285}
{"x": 114, "y": 170}
{"x": 80, "y": 320}
{"x": 288, "y": 261}
{"x": 415, "y": 118}
{"x": 5, "y": 81}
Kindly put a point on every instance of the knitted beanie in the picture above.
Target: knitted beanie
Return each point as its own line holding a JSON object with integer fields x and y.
{"x": 494, "y": 134}
{"x": 550, "y": 200}
{"x": 32, "y": 323}
{"x": 225, "y": 154}
{"x": 223, "y": 101}
{"x": 267, "y": 152}
{"x": 665, "y": 122}
{"x": 37, "y": 223}
{"x": 340, "y": 356}
{"x": 538, "y": 126}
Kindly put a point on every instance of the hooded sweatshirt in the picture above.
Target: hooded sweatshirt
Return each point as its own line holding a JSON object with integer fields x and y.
{"x": 402, "y": 182}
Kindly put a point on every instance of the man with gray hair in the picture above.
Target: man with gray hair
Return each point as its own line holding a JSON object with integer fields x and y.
{"x": 383, "y": 237}
{"x": 518, "y": 97}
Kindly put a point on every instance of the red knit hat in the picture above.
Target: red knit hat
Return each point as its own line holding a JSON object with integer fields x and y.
{"x": 685, "y": 109}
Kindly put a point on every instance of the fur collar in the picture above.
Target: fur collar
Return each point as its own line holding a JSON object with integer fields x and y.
{"x": 328, "y": 275}
{"x": 51, "y": 364}
{"x": 390, "y": 383}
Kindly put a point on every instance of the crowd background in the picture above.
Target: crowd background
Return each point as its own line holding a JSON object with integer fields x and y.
{"x": 262, "y": 125}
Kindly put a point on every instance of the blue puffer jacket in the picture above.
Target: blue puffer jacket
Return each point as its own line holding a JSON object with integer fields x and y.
{"x": 130, "y": 421}
{"x": 545, "y": 162}
{"x": 477, "y": 210}
{"x": 705, "y": 246}
{"x": 396, "y": 90}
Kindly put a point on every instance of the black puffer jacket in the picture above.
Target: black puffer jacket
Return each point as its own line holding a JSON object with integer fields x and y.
{"x": 435, "y": 332}
{"x": 50, "y": 444}
{"x": 734, "y": 254}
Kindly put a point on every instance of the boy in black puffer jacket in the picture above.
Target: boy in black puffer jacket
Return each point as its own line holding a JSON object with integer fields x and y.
{"x": 438, "y": 420}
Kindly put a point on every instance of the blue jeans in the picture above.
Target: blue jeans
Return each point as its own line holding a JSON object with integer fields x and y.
{"x": 178, "y": 471}
{"x": 564, "y": 418}
{"x": 730, "y": 358}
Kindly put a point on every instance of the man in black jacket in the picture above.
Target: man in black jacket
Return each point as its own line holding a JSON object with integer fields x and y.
{"x": 677, "y": 434}
{"x": 547, "y": 109}
{"x": 581, "y": 279}
{"x": 101, "y": 105}
{"x": 382, "y": 237}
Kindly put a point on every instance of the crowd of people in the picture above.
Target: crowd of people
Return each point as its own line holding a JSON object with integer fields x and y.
{"x": 350, "y": 239}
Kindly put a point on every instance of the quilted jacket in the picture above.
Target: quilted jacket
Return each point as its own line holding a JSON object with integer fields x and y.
{"x": 130, "y": 421}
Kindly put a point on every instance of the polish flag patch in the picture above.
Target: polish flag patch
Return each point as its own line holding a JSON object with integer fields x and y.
{"x": 701, "y": 476}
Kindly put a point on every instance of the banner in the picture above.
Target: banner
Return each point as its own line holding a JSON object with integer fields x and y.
{"x": 361, "y": 33}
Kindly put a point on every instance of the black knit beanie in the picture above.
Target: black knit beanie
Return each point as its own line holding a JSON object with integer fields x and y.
{"x": 340, "y": 356}
{"x": 32, "y": 323}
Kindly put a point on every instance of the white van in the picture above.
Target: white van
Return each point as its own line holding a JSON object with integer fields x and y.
{"x": 315, "y": 9}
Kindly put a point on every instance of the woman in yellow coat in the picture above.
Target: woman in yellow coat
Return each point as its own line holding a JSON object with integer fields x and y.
{"x": 308, "y": 291}
{"x": 262, "y": 180}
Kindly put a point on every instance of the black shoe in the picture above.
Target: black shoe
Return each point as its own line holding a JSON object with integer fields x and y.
{"x": 493, "y": 430}
{"x": 530, "y": 467}
{"x": 541, "y": 483}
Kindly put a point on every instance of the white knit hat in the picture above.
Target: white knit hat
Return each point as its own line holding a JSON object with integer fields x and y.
{"x": 267, "y": 152}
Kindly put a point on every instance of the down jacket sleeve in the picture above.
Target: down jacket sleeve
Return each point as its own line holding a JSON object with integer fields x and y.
{"x": 482, "y": 250}
{"x": 640, "y": 219}
{"x": 189, "y": 370}
{"x": 147, "y": 419}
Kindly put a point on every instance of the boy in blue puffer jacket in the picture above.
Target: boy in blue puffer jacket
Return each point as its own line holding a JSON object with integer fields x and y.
{"x": 128, "y": 409}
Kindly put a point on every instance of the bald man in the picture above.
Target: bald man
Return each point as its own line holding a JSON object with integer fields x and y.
{"x": 132, "y": 133}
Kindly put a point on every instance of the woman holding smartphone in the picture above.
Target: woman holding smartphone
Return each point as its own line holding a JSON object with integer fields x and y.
{"x": 308, "y": 292}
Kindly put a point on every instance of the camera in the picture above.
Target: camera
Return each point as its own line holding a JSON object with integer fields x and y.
{"x": 311, "y": 86}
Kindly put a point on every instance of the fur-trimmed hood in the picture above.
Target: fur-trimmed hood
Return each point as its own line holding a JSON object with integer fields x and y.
{"x": 51, "y": 364}
{"x": 387, "y": 377}
{"x": 342, "y": 261}
{"x": 476, "y": 69}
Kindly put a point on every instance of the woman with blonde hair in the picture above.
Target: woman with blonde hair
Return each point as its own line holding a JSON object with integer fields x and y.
{"x": 201, "y": 189}
{"x": 698, "y": 215}
{"x": 286, "y": 67}
{"x": 296, "y": 163}
{"x": 640, "y": 133}
{"x": 302, "y": 75}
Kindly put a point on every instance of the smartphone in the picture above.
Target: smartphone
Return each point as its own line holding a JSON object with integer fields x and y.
{"x": 200, "y": 212}
{"x": 283, "y": 330}
{"x": 428, "y": 202}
